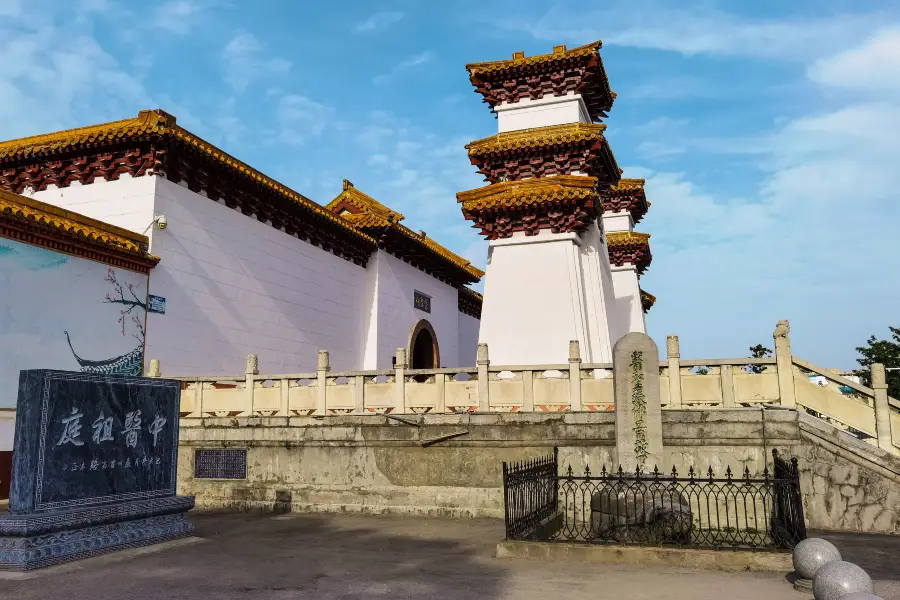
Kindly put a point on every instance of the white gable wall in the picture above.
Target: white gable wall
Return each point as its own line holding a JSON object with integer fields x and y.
{"x": 397, "y": 316}
{"x": 235, "y": 286}
{"x": 126, "y": 202}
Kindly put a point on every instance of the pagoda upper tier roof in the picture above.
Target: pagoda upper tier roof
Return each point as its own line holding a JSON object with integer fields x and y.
{"x": 545, "y": 151}
{"x": 629, "y": 247}
{"x": 382, "y": 223}
{"x": 578, "y": 70}
{"x": 528, "y": 191}
{"x": 627, "y": 195}
{"x": 41, "y": 224}
{"x": 153, "y": 143}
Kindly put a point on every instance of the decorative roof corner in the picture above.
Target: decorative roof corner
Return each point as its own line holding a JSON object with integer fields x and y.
{"x": 629, "y": 247}
{"x": 377, "y": 220}
{"x": 647, "y": 301}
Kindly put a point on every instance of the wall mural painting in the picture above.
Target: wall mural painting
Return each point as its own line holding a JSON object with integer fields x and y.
{"x": 131, "y": 363}
{"x": 69, "y": 313}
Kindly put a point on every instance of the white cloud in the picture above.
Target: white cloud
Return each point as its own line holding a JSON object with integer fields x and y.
{"x": 411, "y": 62}
{"x": 690, "y": 29}
{"x": 54, "y": 76}
{"x": 300, "y": 118}
{"x": 378, "y": 21}
{"x": 814, "y": 244}
{"x": 179, "y": 16}
{"x": 11, "y": 8}
{"x": 244, "y": 61}
{"x": 872, "y": 66}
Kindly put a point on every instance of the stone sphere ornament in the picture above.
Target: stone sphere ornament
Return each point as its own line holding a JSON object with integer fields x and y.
{"x": 860, "y": 596}
{"x": 838, "y": 578}
{"x": 810, "y": 554}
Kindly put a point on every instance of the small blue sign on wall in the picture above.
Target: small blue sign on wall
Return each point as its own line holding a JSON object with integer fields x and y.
{"x": 157, "y": 304}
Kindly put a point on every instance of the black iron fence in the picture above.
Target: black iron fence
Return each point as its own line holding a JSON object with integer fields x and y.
{"x": 655, "y": 508}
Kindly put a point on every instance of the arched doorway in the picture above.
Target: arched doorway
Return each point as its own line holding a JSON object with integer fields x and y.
{"x": 423, "y": 347}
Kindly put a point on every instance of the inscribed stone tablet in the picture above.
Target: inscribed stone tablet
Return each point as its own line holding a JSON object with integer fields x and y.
{"x": 638, "y": 409}
{"x": 83, "y": 439}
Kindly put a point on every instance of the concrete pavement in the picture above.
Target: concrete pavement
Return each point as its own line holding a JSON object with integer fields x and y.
{"x": 366, "y": 557}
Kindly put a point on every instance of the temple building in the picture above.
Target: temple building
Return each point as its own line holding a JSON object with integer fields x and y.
{"x": 237, "y": 262}
{"x": 564, "y": 261}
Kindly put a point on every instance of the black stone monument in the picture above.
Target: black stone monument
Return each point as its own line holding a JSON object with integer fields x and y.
{"x": 94, "y": 468}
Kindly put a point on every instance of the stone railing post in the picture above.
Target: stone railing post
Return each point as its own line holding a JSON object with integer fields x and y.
{"x": 322, "y": 367}
{"x": 673, "y": 356}
{"x": 359, "y": 394}
{"x": 440, "y": 381}
{"x": 784, "y": 364}
{"x": 574, "y": 376}
{"x": 284, "y": 403}
{"x": 250, "y": 382}
{"x": 154, "y": 369}
{"x": 882, "y": 408}
{"x": 400, "y": 382}
{"x": 484, "y": 388}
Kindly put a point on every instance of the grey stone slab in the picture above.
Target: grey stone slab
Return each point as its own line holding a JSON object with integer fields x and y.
{"x": 637, "y": 402}
{"x": 94, "y": 469}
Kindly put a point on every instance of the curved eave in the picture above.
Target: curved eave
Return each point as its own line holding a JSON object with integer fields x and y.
{"x": 36, "y": 223}
{"x": 629, "y": 247}
{"x": 529, "y": 191}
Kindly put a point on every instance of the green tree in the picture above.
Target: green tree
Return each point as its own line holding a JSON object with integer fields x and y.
{"x": 886, "y": 352}
{"x": 759, "y": 351}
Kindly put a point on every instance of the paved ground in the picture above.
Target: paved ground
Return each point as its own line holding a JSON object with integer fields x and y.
{"x": 246, "y": 556}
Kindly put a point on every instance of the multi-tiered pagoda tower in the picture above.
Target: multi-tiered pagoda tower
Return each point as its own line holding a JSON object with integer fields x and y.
{"x": 564, "y": 261}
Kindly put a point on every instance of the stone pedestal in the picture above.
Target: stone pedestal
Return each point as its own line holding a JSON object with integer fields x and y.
{"x": 638, "y": 408}
{"x": 94, "y": 468}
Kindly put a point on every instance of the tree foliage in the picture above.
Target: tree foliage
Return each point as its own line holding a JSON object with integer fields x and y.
{"x": 886, "y": 352}
{"x": 759, "y": 351}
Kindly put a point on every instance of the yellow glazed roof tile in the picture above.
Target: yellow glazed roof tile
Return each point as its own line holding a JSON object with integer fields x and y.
{"x": 157, "y": 122}
{"x": 537, "y": 137}
{"x": 528, "y": 191}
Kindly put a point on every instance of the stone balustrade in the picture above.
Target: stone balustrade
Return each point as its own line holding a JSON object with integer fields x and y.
{"x": 733, "y": 383}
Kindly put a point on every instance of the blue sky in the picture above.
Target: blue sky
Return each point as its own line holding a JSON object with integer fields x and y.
{"x": 768, "y": 131}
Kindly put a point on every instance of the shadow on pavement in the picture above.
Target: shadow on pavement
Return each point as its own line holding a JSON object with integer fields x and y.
{"x": 877, "y": 554}
{"x": 293, "y": 556}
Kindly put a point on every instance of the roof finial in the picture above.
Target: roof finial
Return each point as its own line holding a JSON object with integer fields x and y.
{"x": 518, "y": 55}
{"x": 559, "y": 49}
{"x": 347, "y": 185}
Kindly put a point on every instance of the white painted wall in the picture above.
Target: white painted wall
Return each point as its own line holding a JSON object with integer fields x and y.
{"x": 628, "y": 298}
{"x": 617, "y": 221}
{"x": 543, "y": 112}
{"x": 396, "y": 315}
{"x": 468, "y": 340}
{"x": 235, "y": 286}
{"x": 536, "y": 300}
{"x": 126, "y": 202}
{"x": 47, "y": 293}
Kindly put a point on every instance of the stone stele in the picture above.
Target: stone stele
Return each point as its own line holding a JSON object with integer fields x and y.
{"x": 94, "y": 468}
{"x": 838, "y": 578}
{"x": 638, "y": 409}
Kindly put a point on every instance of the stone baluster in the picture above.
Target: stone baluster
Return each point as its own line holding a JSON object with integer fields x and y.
{"x": 440, "y": 380}
{"x": 250, "y": 380}
{"x": 528, "y": 390}
{"x": 322, "y": 367}
{"x": 784, "y": 364}
{"x": 484, "y": 387}
{"x": 673, "y": 356}
{"x": 359, "y": 394}
{"x": 154, "y": 369}
{"x": 882, "y": 408}
{"x": 400, "y": 382}
{"x": 284, "y": 406}
{"x": 726, "y": 380}
{"x": 574, "y": 376}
